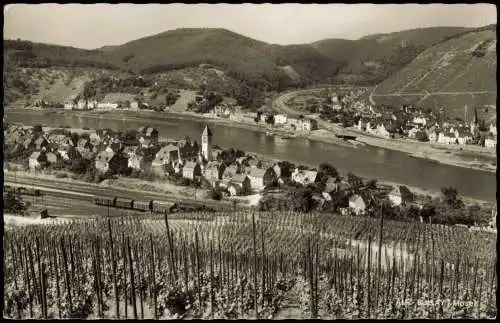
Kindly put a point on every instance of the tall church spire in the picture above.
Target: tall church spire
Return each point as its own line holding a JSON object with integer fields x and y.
{"x": 206, "y": 143}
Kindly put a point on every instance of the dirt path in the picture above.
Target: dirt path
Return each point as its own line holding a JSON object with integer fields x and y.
{"x": 290, "y": 308}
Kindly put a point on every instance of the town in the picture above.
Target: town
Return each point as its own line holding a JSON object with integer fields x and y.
{"x": 345, "y": 110}
{"x": 224, "y": 173}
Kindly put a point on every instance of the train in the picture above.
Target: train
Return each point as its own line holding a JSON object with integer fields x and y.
{"x": 146, "y": 206}
{"x": 21, "y": 190}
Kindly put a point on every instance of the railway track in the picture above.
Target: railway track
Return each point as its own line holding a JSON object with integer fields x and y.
{"x": 88, "y": 191}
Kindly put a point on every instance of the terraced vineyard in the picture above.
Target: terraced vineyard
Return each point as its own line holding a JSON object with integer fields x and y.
{"x": 457, "y": 72}
{"x": 248, "y": 265}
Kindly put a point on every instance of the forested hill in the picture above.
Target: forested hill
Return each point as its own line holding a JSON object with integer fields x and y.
{"x": 260, "y": 65}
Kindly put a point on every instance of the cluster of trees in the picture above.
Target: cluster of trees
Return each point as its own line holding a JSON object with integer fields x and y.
{"x": 481, "y": 49}
{"x": 346, "y": 118}
{"x": 249, "y": 97}
{"x": 205, "y": 102}
{"x": 449, "y": 209}
{"x": 269, "y": 118}
{"x": 229, "y": 156}
{"x": 177, "y": 66}
{"x": 13, "y": 203}
{"x": 106, "y": 84}
{"x": 171, "y": 98}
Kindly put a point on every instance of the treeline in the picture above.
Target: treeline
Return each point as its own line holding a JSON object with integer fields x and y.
{"x": 162, "y": 68}
{"x": 369, "y": 76}
{"x": 29, "y": 59}
{"x": 106, "y": 84}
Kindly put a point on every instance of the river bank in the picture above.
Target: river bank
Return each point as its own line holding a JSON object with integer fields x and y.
{"x": 471, "y": 157}
{"x": 365, "y": 161}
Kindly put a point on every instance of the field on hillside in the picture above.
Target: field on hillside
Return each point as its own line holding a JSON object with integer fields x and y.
{"x": 55, "y": 85}
{"x": 248, "y": 265}
{"x": 458, "y": 72}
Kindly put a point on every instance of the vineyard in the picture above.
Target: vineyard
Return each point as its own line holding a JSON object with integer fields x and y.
{"x": 248, "y": 265}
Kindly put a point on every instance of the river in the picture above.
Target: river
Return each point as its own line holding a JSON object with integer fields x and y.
{"x": 366, "y": 161}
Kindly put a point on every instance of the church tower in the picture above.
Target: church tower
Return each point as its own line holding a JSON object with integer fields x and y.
{"x": 206, "y": 144}
{"x": 475, "y": 122}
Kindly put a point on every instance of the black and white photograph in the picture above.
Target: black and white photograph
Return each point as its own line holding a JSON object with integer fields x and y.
{"x": 249, "y": 161}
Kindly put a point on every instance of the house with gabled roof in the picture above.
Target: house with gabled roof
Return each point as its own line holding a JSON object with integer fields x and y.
{"x": 110, "y": 161}
{"x": 29, "y": 142}
{"x": 260, "y": 178}
{"x": 41, "y": 143}
{"x": 357, "y": 204}
{"x": 52, "y": 158}
{"x": 230, "y": 171}
{"x": 464, "y": 136}
{"x": 304, "y": 177}
{"x": 447, "y": 136}
{"x": 213, "y": 171}
{"x": 493, "y": 129}
{"x": 37, "y": 160}
{"x": 147, "y": 136}
{"x": 84, "y": 145}
{"x": 490, "y": 141}
{"x": 331, "y": 186}
{"x": 60, "y": 140}
{"x": 139, "y": 161}
{"x": 191, "y": 170}
{"x": 69, "y": 153}
{"x": 401, "y": 195}
{"x": 165, "y": 155}
{"x": 239, "y": 185}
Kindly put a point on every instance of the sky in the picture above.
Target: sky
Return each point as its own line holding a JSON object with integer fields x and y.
{"x": 96, "y": 25}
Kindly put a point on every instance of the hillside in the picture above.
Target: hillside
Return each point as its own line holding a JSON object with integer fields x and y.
{"x": 225, "y": 61}
{"x": 24, "y": 85}
{"x": 28, "y": 54}
{"x": 454, "y": 73}
{"x": 373, "y": 58}
{"x": 249, "y": 60}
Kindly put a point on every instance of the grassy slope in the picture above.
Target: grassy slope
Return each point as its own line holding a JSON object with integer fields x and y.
{"x": 448, "y": 67}
{"x": 57, "y": 84}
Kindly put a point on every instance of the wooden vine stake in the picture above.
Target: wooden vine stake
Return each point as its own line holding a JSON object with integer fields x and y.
{"x": 113, "y": 265}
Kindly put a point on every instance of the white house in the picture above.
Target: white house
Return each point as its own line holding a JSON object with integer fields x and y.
{"x": 308, "y": 124}
{"x": 68, "y": 106}
{"x": 446, "y": 137}
{"x": 490, "y": 142}
{"x": 304, "y": 177}
{"x": 134, "y": 105}
{"x": 413, "y": 133}
{"x": 357, "y": 204}
{"x": 463, "y": 137}
{"x": 37, "y": 160}
{"x": 92, "y": 105}
{"x": 256, "y": 177}
{"x": 419, "y": 120}
{"x": 107, "y": 106}
{"x": 382, "y": 131}
{"x": 400, "y": 195}
{"x": 335, "y": 98}
{"x": 81, "y": 105}
{"x": 336, "y": 107}
{"x": 493, "y": 129}
{"x": 280, "y": 119}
